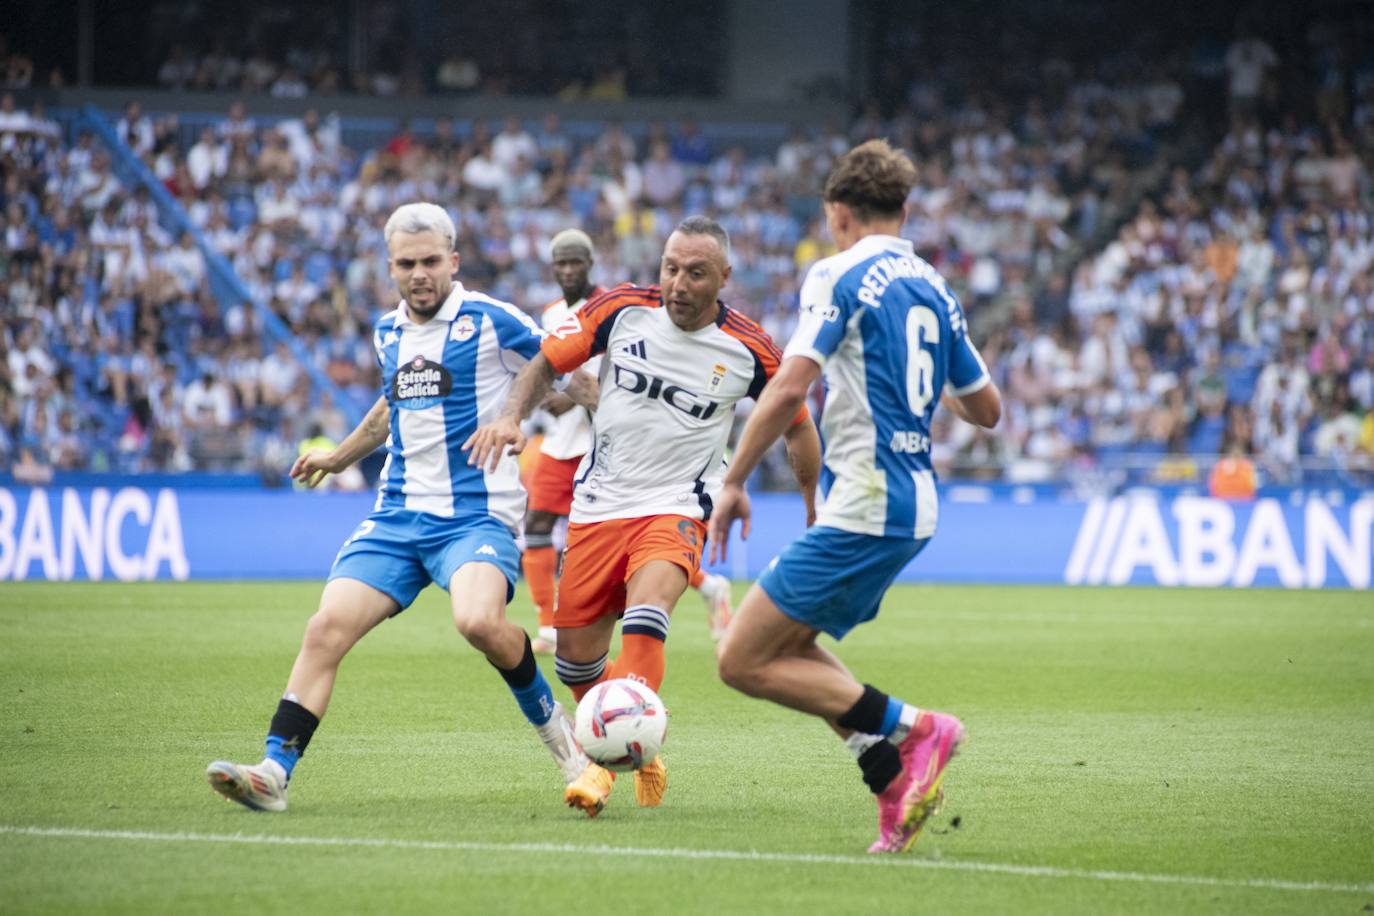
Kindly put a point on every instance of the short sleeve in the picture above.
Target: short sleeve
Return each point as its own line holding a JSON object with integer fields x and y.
{"x": 767, "y": 357}
{"x": 583, "y": 334}
{"x": 823, "y": 320}
{"x": 517, "y": 336}
{"x": 967, "y": 371}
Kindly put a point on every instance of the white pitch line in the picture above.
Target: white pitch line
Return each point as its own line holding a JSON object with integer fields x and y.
{"x": 726, "y": 855}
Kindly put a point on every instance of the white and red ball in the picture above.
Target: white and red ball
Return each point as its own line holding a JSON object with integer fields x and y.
{"x": 621, "y": 724}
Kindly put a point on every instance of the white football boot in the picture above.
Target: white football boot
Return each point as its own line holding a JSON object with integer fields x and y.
{"x": 715, "y": 591}
{"x": 261, "y": 787}
{"x": 557, "y": 735}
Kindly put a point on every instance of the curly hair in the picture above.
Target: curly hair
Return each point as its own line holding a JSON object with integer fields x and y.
{"x": 873, "y": 179}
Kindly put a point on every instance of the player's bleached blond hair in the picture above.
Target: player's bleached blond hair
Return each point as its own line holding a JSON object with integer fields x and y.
{"x": 573, "y": 241}
{"x": 420, "y": 217}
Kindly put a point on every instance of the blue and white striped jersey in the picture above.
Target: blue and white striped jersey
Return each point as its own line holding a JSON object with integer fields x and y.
{"x": 890, "y": 336}
{"x": 442, "y": 379}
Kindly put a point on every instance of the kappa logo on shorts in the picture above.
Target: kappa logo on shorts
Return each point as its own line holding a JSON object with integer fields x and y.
{"x": 486, "y": 550}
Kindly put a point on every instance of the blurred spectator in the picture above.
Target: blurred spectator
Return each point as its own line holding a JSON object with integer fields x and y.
{"x": 1134, "y": 310}
{"x": 1233, "y": 477}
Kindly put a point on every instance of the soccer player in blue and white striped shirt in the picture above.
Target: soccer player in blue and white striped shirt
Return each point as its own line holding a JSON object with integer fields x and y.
{"x": 892, "y": 342}
{"x": 448, "y": 357}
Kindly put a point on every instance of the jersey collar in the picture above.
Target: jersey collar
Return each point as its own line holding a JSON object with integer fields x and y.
{"x": 872, "y": 244}
{"x": 447, "y": 312}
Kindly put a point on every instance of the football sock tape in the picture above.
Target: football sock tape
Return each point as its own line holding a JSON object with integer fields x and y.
{"x": 880, "y": 765}
{"x": 645, "y": 620}
{"x": 573, "y": 673}
{"x": 531, "y": 690}
{"x": 867, "y": 713}
{"x": 289, "y": 733}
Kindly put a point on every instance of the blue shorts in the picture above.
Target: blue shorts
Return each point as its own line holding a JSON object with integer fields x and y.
{"x": 833, "y": 580}
{"x": 400, "y": 551}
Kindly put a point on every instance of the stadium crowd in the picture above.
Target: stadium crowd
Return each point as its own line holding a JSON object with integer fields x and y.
{"x": 1229, "y": 312}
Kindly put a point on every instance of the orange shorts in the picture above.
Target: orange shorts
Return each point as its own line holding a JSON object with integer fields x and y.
{"x": 551, "y": 483}
{"x": 602, "y": 556}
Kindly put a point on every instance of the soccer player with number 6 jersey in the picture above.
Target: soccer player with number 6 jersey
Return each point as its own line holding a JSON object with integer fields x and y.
{"x": 892, "y": 342}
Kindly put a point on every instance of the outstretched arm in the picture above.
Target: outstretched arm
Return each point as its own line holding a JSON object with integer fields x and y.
{"x": 782, "y": 397}
{"x": 312, "y": 467}
{"x": 489, "y": 443}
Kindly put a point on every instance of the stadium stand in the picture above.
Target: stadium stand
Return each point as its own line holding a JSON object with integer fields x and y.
{"x": 1147, "y": 308}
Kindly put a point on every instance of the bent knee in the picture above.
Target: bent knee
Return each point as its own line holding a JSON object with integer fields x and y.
{"x": 736, "y": 671}
{"x": 328, "y": 632}
{"x": 480, "y": 630}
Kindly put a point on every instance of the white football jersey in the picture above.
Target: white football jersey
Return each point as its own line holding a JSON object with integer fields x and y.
{"x": 568, "y": 435}
{"x": 666, "y": 405}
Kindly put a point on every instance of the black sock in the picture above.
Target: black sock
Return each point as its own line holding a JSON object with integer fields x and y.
{"x": 880, "y": 763}
{"x": 290, "y": 732}
{"x": 867, "y": 713}
{"x": 522, "y": 675}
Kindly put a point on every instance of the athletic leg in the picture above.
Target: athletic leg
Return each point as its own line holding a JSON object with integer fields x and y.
{"x": 348, "y": 610}
{"x": 478, "y": 593}
{"x": 540, "y": 566}
{"x": 771, "y": 653}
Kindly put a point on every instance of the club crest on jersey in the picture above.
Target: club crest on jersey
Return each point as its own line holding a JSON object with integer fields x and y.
{"x": 420, "y": 384}
{"x": 462, "y": 329}
{"x": 718, "y": 373}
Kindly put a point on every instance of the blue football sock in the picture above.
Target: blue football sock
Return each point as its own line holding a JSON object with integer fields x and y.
{"x": 892, "y": 717}
{"x": 535, "y": 699}
{"x": 286, "y": 756}
{"x": 287, "y": 737}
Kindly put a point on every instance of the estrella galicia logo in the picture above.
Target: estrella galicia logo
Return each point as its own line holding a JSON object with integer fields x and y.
{"x": 654, "y": 388}
{"x": 420, "y": 384}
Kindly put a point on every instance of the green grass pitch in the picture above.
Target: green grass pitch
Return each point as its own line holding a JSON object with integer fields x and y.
{"x": 1130, "y": 750}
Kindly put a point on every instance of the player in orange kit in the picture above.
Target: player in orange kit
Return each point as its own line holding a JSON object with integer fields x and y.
{"x": 567, "y": 437}
{"x": 676, "y": 360}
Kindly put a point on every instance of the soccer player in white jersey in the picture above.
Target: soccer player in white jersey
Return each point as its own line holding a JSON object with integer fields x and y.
{"x": 448, "y": 358}
{"x": 891, "y": 340}
{"x": 567, "y": 437}
{"x": 676, "y": 360}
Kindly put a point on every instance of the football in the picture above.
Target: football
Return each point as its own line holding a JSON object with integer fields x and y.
{"x": 621, "y": 724}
